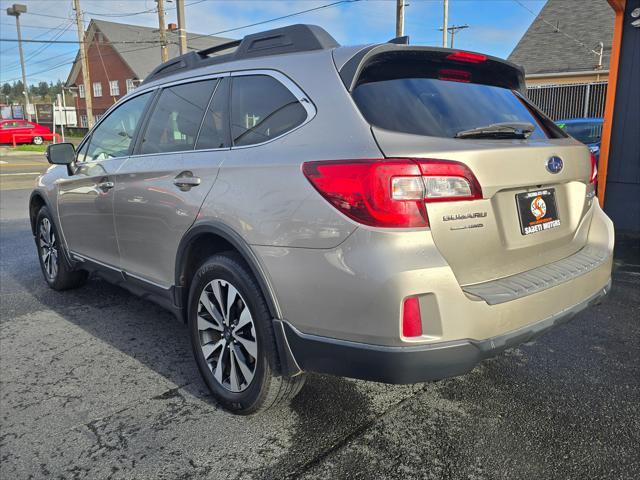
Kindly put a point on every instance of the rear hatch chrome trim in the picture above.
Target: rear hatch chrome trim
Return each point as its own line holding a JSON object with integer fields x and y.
{"x": 540, "y": 278}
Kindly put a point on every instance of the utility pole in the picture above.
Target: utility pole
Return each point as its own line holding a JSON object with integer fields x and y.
{"x": 445, "y": 21}
{"x": 454, "y": 28}
{"x": 14, "y": 11}
{"x": 85, "y": 64}
{"x": 182, "y": 27}
{"x": 399, "y": 18}
{"x": 164, "y": 54}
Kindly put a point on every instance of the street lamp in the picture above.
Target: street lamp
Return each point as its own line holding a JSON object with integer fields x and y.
{"x": 15, "y": 11}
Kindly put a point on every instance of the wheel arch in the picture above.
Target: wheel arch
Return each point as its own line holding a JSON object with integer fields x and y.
{"x": 206, "y": 239}
{"x": 36, "y": 201}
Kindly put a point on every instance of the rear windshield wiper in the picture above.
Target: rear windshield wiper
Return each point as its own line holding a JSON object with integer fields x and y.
{"x": 499, "y": 130}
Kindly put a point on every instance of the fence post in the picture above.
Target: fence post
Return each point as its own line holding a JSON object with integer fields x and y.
{"x": 585, "y": 113}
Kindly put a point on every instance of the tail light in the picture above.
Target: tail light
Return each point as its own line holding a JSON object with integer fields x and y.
{"x": 391, "y": 193}
{"x": 594, "y": 170}
{"x": 411, "y": 318}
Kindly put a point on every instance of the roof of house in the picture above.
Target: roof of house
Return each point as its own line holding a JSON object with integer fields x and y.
{"x": 562, "y": 36}
{"x": 142, "y": 57}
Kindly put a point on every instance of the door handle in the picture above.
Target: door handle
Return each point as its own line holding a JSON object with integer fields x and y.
{"x": 186, "y": 181}
{"x": 106, "y": 185}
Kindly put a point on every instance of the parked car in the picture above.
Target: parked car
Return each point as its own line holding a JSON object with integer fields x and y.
{"x": 391, "y": 213}
{"x": 23, "y": 132}
{"x": 585, "y": 130}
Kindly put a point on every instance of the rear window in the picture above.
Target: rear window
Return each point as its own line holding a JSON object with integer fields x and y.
{"x": 441, "y": 108}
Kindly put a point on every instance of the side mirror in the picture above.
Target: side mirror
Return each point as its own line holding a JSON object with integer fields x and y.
{"x": 61, "y": 153}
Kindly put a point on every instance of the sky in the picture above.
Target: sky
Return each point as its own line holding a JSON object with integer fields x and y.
{"x": 495, "y": 26}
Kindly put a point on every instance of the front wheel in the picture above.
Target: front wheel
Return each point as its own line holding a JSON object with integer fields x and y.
{"x": 37, "y": 140}
{"x": 55, "y": 268}
{"x": 232, "y": 337}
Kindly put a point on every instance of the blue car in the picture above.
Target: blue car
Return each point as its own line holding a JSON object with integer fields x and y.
{"x": 585, "y": 130}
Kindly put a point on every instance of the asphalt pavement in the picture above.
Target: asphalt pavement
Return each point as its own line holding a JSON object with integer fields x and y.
{"x": 97, "y": 383}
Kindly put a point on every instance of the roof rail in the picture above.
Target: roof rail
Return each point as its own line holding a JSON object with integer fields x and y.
{"x": 291, "y": 39}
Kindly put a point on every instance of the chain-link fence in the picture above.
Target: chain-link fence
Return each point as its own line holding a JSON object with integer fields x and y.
{"x": 570, "y": 101}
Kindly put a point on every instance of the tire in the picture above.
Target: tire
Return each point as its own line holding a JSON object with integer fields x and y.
{"x": 37, "y": 140}
{"x": 57, "y": 271}
{"x": 235, "y": 350}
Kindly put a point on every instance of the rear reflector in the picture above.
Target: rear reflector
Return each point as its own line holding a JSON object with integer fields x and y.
{"x": 391, "y": 193}
{"x": 467, "y": 57}
{"x": 411, "y": 319}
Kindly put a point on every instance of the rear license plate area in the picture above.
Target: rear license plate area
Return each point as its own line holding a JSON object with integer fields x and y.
{"x": 537, "y": 211}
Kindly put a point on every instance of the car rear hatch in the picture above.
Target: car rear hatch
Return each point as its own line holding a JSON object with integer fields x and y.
{"x": 536, "y": 187}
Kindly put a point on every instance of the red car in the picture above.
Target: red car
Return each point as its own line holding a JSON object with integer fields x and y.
{"x": 23, "y": 131}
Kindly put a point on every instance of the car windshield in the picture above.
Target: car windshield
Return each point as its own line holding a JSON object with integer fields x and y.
{"x": 439, "y": 108}
{"x": 585, "y": 132}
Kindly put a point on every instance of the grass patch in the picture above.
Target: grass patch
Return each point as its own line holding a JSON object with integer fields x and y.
{"x": 30, "y": 148}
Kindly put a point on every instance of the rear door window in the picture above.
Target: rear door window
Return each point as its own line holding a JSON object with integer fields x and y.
{"x": 439, "y": 108}
{"x": 262, "y": 109}
{"x": 176, "y": 118}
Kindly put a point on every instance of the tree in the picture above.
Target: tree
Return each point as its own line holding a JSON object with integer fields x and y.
{"x": 42, "y": 89}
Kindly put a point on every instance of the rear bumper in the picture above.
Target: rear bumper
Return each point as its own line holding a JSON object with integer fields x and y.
{"x": 414, "y": 364}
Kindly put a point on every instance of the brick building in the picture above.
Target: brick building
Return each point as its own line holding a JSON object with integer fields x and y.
{"x": 120, "y": 56}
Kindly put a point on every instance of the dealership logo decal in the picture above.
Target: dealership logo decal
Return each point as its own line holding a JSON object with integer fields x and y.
{"x": 554, "y": 164}
{"x": 538, "y": 207}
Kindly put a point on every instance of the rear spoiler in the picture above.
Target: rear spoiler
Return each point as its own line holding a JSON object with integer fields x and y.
{"x": 403, "y": 60}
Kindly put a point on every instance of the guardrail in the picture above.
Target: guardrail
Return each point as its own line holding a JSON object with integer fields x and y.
{"x": 52, "y": 136}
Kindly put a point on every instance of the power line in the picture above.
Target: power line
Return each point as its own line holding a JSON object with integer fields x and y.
{"x": 320, "y": 7}
{"x": 48, "y": 16}
{"x": 32, "y": 40}
{"x": 142, "y": 12}
{"x": 39, "y": 50}
{"x": 328, "y": 5}
{"x": 40, "y": 27}
{"x": 557, "y": 29}
{"x": 37, "y": 36}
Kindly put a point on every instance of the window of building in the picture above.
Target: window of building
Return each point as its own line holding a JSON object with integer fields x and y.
{"x": 130, "y": 85}
{"x": 114, "y": 88}
{"x": 83, "y": 121}
{"x": 262, "y": 109}
{"x": 81, "y": 91}
{"x": 97, "y": 89}
{"x": 113, "y": 137}
{"x": 176, "y": 118}
{"x": 215, "y": 127}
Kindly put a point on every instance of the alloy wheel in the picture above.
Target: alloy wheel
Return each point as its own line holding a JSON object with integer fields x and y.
{"x": 48, "y": 248}
{"x": 37, "y": 140}
{"x": 227, "y": 335}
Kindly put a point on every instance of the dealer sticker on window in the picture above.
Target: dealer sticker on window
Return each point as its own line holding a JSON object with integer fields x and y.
{"x": 537, "y": 210}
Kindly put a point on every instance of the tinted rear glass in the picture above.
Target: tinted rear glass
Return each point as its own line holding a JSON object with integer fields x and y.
{"x": 262, "y": 109}
{"x": 439, "y": 108}
{"x": 176, "y": 118}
